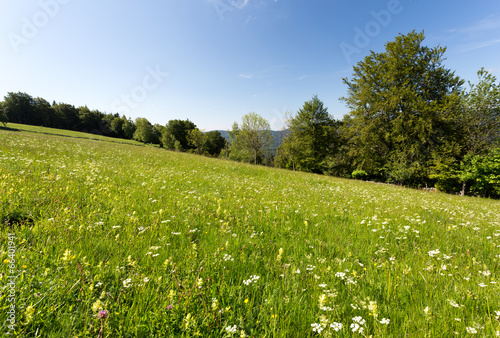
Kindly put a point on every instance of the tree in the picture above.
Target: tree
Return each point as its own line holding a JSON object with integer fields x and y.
{"x": 178, "y": 129}
{"x": 404, "y": 106}
{"x": 214, "y": 143}
{"x": 89, "y": 120}
{"x": 144, "y": 130}
{"x": 128, "y": 128}
{"x": 44, "y": 110}
{"x": 310, "y": 138}
{"x": 19, "y": 108}
{"x": 196, "y": 139}
{"x": 481, "y": 115}
{"x": 3, "y": 117}
{"x": 254, "y": 135}
{"x": 67, "y": 116}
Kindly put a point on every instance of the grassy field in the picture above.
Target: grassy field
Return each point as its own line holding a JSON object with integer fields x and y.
{"x": 178, "y": 245}
{"x": 67, "y": 133}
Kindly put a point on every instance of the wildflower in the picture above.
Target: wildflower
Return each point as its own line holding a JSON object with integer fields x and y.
{"x": 215, "y": 304}
{"x": 336, "y": 326}
{"x": 471, "y": 330}
{"x": 280, "y": 254}
{"x": 482, "y": 285}
{"x": 97, "y": 306}
{"x": 355, "y": 327}
{"x": 322, "y": 300}
{"x": 433, "y": 253}
{"x": 6, "y": 261}
{"x": 453, "y": 303}
{"x": 340, "y": 275}
{"x": 253, "y": 279}
{"x": 30, "y": 310}
{"x": 317, "y": 327}
{"x": 102, "y": 314}
{"x": 385, "y": 321}
{"x": 170, "y": 307}
{"x": 127, "y": 283}
{"x": 199, "y": 283}
{"x": 231, "y": 329}
{"x": 146, "y": 279}
{"x": 245, "y": 301}
{"x": 67, "y": 255}
{"x": 243, "y": 334}
{"x": 188, "y": 322}
{"x": 98, "y": 284}
{"x": 131, "y": 262}
{"x": 297, "y": 271}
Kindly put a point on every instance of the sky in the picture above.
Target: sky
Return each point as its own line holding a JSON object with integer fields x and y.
{"x": 213, "y": 61}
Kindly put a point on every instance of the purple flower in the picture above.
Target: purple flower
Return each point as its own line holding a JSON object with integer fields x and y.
{"x": 169, "y": 307}
{"x": 102, "y": 314}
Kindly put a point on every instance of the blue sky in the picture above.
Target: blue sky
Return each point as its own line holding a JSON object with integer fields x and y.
{"x": 212, "y": 61}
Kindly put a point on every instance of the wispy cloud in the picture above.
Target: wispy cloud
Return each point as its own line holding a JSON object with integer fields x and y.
{"x": 479, "y": 45}
{"x": 239, "y": 3}
{"x": 247, "y": 76}
{"x": 490, "y": 22}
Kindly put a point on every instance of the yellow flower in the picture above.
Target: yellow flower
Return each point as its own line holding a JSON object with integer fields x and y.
{"x": 6, "y": 261}
{"x": 246, "y": 301}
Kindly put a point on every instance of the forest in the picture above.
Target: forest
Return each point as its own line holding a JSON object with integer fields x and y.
{"x": 411, "y": 122}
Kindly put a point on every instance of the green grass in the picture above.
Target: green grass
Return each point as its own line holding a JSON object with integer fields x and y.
{"x": 167, "y": 243}
{"x": 67, "y": 133}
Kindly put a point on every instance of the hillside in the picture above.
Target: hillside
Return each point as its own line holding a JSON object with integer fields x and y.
{"x": 173, "y": 244}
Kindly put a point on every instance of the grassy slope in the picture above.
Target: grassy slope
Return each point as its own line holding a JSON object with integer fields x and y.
{"x": 68, "y": 133}
{"x": 137, "y": 228}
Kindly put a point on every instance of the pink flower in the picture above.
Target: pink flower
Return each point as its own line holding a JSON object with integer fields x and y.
{"x": 169, "y": 307}
{"x": 102, "y": 314}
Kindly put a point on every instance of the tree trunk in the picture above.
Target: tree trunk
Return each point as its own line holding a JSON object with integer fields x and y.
{"x": 462, "y": 193}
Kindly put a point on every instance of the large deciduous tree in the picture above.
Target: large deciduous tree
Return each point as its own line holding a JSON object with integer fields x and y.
{"x": 404, "y": 105}
{"x": 253, "y": 135}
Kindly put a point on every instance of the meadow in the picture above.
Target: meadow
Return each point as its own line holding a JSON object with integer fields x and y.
{"x": 116, "y": 240}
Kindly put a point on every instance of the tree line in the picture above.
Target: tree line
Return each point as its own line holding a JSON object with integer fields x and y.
{"x": 411, "y": 122}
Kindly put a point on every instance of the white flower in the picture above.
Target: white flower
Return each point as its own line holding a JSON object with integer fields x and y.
{"x": 336, "y": 326}
{"x": 471, "y": 330}
{"x": 127, "y": 283}
{"x": 385, "y": 321}
{"x": 453, "y": 303}
{"x": 433, "y": 253}
{"x": 482, "y": 285}
{"x": 231, "y": 329}
{"x": 146, "y": 279}
{"x": 317, "y": 327}
{"x": 359, "y": 320}
{"x": 297, "y": 271}
{"x": 340, "y": 275}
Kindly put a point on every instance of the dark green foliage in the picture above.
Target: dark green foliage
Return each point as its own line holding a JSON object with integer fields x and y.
{"x": 359, "y": 175}
{"x": 404, "y": 105}
{"x": 310, "y": 139}
{"x": 144, "y": 131}
{"x": 214, "y": 143}
{"x": 177, "y": 130}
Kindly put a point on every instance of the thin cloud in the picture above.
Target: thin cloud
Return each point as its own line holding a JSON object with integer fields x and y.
{"x": 479, "y": 45}
{"x": 490, "y": 22}
{"x": 247, "y": 76}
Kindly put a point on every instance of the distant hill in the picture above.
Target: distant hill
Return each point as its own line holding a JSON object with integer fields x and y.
{"x": 278, "y": 136}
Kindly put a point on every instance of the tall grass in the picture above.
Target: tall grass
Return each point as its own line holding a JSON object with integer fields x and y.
{"x": 172, "y": 244}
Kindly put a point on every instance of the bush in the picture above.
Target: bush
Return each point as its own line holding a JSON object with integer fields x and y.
{"x": 359, "y": 175}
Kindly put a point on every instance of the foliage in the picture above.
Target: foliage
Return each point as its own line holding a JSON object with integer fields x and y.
{"x": 177, "y": 130}
{"x": 196, "y": 138}
{"x": 144, "y": 131}
{"x": 404, "y": 104}
{"x": 253, "y": 136}
{"x": 483, "y": 173}
{"x": 3, "y": 116}
{"x": 214, "y": 143}
{"x": 310, "y": 137}
{"x": 359, "y": 175}
{"x": 481, "y": 115}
